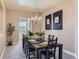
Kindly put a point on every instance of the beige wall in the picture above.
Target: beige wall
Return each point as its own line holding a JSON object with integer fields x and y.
{"x": 13, "y": 17}
{"x": 2, "y": 27}
{"x": 67, "y": 35}
{"x": 1, "y": 21}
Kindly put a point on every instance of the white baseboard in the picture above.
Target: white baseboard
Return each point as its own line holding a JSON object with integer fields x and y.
{"x": 70, "y": 53}
{"x": 2, "y": 53}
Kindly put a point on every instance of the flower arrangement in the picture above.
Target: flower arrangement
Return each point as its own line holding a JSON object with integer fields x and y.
{"x": 39, "y": 33}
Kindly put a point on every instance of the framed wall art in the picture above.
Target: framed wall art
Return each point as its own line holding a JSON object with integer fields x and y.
{"x": 48, "y": 22}
{"x": 57, "y": 20}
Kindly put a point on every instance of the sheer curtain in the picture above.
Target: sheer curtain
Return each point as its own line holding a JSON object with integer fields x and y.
{"x": 24, "y": 26}
{"x": 30, "y": 25}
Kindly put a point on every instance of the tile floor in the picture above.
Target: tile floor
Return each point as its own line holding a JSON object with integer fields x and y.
{"x": 16, "y": 52}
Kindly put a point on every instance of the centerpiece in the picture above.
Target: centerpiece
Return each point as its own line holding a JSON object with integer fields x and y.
{"x": 39, "y": 36}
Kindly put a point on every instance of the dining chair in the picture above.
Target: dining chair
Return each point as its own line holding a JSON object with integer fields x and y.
{"x": 23, "y": 43}
{"x": 29, "y": 49}
{"x": 50, "y": 51}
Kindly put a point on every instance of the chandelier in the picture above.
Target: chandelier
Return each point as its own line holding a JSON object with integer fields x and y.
{"x": 37, "y": 17}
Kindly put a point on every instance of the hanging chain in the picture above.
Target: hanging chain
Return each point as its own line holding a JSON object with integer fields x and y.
{"x": 36, "y": 7}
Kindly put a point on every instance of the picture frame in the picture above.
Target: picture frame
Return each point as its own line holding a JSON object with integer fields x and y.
{"x": 48, "y": 22}
{"x": 57, "y": 20}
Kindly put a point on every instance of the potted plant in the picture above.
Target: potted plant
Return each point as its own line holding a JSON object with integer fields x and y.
{"x": 39, "y": 33}
{"x": 30, "y": 33}
{"x": 10, "y": 31}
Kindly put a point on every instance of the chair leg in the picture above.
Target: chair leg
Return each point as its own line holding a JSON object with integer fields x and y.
{"x": 54, "y": 57}
{"x": 24, "y": 51}
{"x": 34, "y": 53}
{"x": 45, "y": 57}
{"x": 26, "y": 54}
{"x": 40, "y": 56}
{"x": 29, "y": 55}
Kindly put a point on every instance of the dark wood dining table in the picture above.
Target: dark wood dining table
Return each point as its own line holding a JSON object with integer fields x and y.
{"x": 42, "y": 45}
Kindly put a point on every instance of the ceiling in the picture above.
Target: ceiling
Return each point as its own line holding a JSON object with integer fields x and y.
{"x": 30, "y": 5}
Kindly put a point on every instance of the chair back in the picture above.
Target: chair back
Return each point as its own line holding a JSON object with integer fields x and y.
{"x": 50, "y": 40}
{"x": 24, "y": 41}
{"x": 52, "y": 43}
{"x": 24, "y": 37}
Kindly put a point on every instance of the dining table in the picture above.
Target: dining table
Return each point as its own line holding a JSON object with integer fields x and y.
{"x": 42, "y": 45}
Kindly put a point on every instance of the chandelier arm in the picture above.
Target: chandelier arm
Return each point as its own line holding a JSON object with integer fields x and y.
{"x": 36, "y": 5}
{"x": 36, "y": 13}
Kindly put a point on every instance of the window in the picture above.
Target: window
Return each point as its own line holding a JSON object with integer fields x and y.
{"x": 30, "y": 25}
{"x": 25, "y": 24}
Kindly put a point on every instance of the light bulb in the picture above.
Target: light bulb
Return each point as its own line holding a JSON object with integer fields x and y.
{"x": 36, "y": 17}
{"x": 32, "y": 18}
{"x": 39, "y": 18}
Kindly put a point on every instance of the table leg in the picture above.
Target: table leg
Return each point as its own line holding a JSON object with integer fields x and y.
{"x": 60, "y": 51}
{"x": 37, "y": 52}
